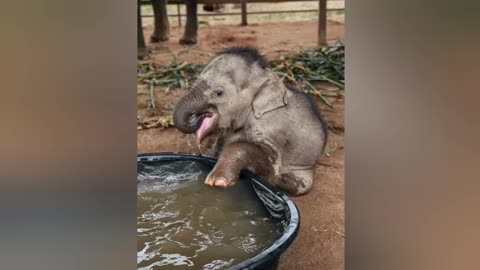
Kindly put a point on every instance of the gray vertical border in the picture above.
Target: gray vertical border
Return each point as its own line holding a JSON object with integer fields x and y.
{"x": 412, "y": 134}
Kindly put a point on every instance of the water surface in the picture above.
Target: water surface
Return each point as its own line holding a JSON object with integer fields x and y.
{"x": 184, "y": 224}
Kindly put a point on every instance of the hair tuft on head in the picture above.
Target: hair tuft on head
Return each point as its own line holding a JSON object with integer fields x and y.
{"x": 249, "y": 54}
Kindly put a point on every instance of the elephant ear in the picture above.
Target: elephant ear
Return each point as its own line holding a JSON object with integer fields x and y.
{"x": 271, "y": 95}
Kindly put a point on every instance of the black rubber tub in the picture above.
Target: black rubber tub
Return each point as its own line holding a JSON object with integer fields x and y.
{"x": 278, "y": 204}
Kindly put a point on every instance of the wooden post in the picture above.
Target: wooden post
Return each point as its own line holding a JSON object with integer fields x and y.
{"x": 244, "y": 12}
{"x": 179, "y": 16}
{"x": 322, "y": 22}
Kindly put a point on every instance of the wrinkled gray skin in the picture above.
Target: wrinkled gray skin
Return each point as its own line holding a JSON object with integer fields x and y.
{"x": 264, "y": 127}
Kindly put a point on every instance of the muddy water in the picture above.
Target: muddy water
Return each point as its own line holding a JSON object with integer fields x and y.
{"x": 184, "y": 224}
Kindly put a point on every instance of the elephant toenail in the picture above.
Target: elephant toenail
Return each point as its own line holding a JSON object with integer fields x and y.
{"x": 221, "y": 182}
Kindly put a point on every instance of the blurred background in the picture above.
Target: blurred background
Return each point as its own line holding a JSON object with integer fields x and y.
{"x": 68, "y": 139}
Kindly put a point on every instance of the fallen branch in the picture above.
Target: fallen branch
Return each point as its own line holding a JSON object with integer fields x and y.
{"x": 155, "y": 122}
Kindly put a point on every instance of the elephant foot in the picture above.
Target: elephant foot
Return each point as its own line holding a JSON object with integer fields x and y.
{"x": 295, "y": 183}
{"x": 142, "y": 54}
{"x": 215, "y": 179}
{"x": 212, "y": 7}
{"x": 188, "y": 40}
{"x": 158, "y": 38}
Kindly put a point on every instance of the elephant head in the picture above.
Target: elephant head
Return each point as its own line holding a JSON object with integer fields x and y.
{"x": 234, "y": 85}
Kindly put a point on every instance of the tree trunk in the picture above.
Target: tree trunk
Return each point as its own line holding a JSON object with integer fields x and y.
{"x": 162, "y": 27}
{"x": 190, "y": 35}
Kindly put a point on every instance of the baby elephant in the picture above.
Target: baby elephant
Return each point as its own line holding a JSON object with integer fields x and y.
{"x": 260, "y": 125}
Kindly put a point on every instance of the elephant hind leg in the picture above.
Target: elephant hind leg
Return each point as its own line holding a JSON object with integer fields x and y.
{"x": 295, "y": 182}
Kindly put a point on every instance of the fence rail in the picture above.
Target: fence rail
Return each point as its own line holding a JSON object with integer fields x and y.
{"x": 250, "y": 12}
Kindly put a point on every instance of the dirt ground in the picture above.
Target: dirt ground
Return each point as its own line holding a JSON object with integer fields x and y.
{"x": 272, "y": 39}
{"x": 320, "y": 243}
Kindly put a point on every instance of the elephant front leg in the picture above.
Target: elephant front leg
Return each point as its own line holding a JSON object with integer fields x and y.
{"x": 142, "y": 52}
{"x": 190, "y": 35}
{"x": 236, "y": 157}
{"x": 162, "y": 27}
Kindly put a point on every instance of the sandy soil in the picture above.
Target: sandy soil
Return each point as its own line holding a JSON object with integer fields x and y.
{"x": 320, "y": 243}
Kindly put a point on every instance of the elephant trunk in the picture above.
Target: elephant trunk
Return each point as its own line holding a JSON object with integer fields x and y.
{"x": 189, "y": 109}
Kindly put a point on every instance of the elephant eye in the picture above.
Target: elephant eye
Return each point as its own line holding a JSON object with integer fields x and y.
{"x": 218, "y": 93}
